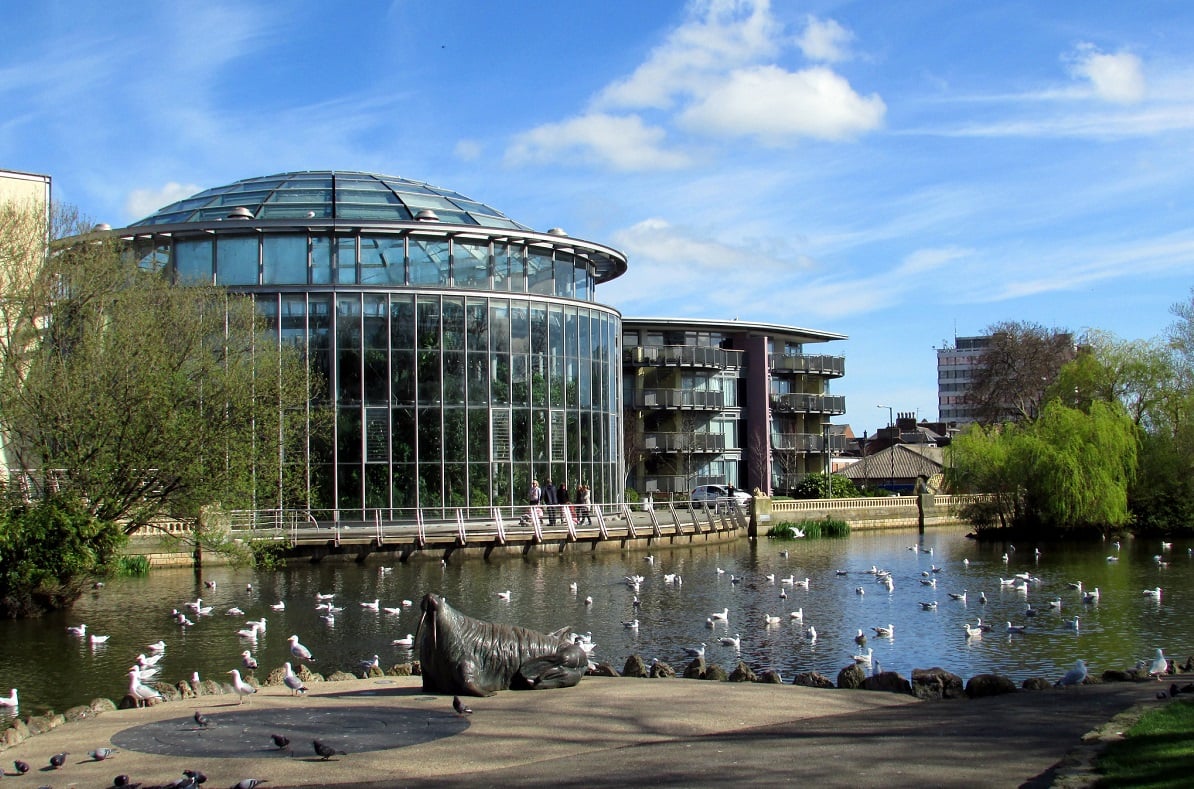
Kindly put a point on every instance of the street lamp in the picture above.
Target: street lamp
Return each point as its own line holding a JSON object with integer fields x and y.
{"x": 891, "y": 444}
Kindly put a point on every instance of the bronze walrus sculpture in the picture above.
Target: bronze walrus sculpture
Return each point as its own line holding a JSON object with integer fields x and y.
{"x": 466, "y": 656}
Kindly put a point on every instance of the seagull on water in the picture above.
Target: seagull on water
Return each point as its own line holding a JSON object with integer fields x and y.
{"x": 735, "y": 641}
{"x": 812, "y": 634}
{"x": 860, "y": 639}
{"x": 1091, "y": 596}
{"x": 248, "y": 632}
{"x": 722, "y": 616}
{"x": 768, "y": 619}
{"x": 631, "y": 625}
{"x": 972, "y": 632}
{"x": 1153, "y": 593}
{"x": 865, "y": 659}
{"x": 1075, "y": 676}
{"x": 928, "y": 606}
{"x": 1159, "y": 665}
{"x": 394, "y": 611}
{"x": 248, "y": 660}
{"x": 1072, "y": 624}
{"x": 160, "y": 646}
{"x": 279, "y": 606}
{"x": 884, "y": 632}
{"x": 1016, "y": 628}
{"x": 234, "y": 611}
{"x": 77, "y": 630}
{"x": 406, "y": 643}
{"x": 959, "y": 596}
{"x": 374, "y": 606}
{"x": 93, "y": 639}
{"x": 798, "y": 614}
{"x": 504, "y": 595}
{"x": 241, "y": 687}
{"x": 801, "y": 584}
{"x": 10, "y": 700}
{"x": 298, "y": 650}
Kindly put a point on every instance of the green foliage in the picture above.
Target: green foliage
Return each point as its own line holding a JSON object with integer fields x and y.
{"x": 130, "y": 565}
{"x": 632, "y": 496}
{"x": 147, "y": 397}
{"x": 268, "y": 554}
{"x": 1157, "y": 751}
{"x": 50, "y": 551}
{"x": 1067, "y": 470}
{"x": 823, "y": 486}
{"x": 826, "y": 527}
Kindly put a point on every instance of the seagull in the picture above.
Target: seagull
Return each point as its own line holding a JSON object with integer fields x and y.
{"x": 783, "y": 593}
{"x": 790, "y": 580}
{"x": 735, "y": 641}
{"x": 10, "y": 700}
{"x": 460, "y": 707}
{"x": 865, "y": 659}
{"x": 368, "y": 665}
{"x": 972, "y": 632}
{"x": 695, "y": 652}
{"x": 99, "y": 754}
{"x": 321, "y": 596}
{"x": 298, "y": 650}
{"x": 801, "y": 584}
{"x": 279, "y": 606}
{"x": 234, "y": 611}
{"x": 928, "y": 606}
{"x": 140, "y": 692}
{"x": 241, "y": 687}
{"x": 588, "y": 600}
{"x": 1016, "y": 628}
{"x": 281, "y": 741}
{"x": 631, "y": 625}
{"x": 1153, "y": 593}
{"x": 407, "y": 642}
{"x": 504, "y": 595}
{"x": 374, "y": 606}
{"x": 1113, "y": 558}
{"x": 572, "y": 586}
{"x": 1075, "y": 585}
{"x": 1072, "y": 624}
{"x": 768, "y": 619}
{"x": 1030, "y": 611}
{"x": 1092, "y": 596}
{"x": 723, "y": 616}
{"x": 93, "y": 639}
{"x": 1007, "y": 581}
{"x": 1159, "y": 665}
{"x": 248, "y": 660}
{"x": 77, "y": 630}
{"x": 929, "y": 582}
{"x": 1075, "y": 676}
{"x": 982, "y": 597}
{"x": 146, "y": 662}
{"x": 201, "y": 720}
{"x": 326, "y": 752}
{"x": 859, "y": 590}
{"x": 884, "y": 632}
{"x": 1055, "y": 603}
{"x": 291, "y": 680}
{"x": 394, "y": 611}
{"x": 160, "y": 646}
{"x": 860, "y": 639}
{"x": 798, "y": 614}
{"x": 959, "y": 596}
{"x": 811, "y": 633}
{"x": 248, "y": 632}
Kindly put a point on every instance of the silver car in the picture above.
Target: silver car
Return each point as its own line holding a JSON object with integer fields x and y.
{"x": 709, "y": 494}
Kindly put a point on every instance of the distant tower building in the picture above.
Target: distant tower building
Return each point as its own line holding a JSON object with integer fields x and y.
{"x": 955, "y": 368}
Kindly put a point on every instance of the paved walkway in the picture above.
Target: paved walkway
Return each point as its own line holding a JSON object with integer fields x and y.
{"x": 605, "y": 732}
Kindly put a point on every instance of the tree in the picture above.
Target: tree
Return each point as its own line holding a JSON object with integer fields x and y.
{"x": 1067, "y": 470}
{"x": 822, "y": 486}
{"x": 136, "y": 396}
{"x": 1013, "y": 372}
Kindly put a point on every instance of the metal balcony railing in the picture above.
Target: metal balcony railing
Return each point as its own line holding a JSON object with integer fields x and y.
{"x": 830, "y": 366}
{"x": 807, "y": 442}
{"x": 681, "y": 356}
{"x": 678, "y": 398}
{"x": 809, "y": 403}
{"x": 684, "y": 442}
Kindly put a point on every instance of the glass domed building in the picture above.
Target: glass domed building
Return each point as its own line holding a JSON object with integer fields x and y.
{"x": 464, "y": 352}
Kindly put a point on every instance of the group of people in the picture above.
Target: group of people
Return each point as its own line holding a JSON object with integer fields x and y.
{"x": 555, "y": 498}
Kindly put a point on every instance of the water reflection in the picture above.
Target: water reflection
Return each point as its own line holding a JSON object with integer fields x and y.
{"x": 55, "y": 669}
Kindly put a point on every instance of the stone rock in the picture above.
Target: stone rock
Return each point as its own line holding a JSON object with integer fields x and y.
{"x": 168, "y": 691}
{"x": 889, "y": 682}
{"x": 850, "y": 677}
{"x": 208, "y": 687}
{"x": 12, "y": 737}
{"x": 603, "y": 670}
{"x": 340, "y": 676}
{"x": 307, "y": 675}
{"x": 983, "y": 685}
{"x": 185, "y": 690}
{"x": 401, "y": 670}
{"x": 811, "y": 679}
{"x": 1117, "y": 675}
{"x": 635, "y": 667}
{"x": 79, "y": 713}
{"x": 743, "y": 673}
{"x": 771, "y": 677}
{"x": 934, "y": 684}
{"x": 40, "y": 724}
{"x": 275, "y": 677}
{"x": 715, "y": 673}
{"x": 101, "y": 705}
{"x": 373, "y": 671}
{"x": 662, "y": 670}
{"x": 1036, "y": 683}
{"x": 696, "y": 669}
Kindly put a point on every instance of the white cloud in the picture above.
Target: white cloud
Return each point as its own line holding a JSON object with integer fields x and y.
{"x": 141, "y": 203}
{"x": 824, "y": 41}
{"x": 774, "y": 105}
{"x": 1117, "y": 78}
{"x": 622, "y": 142}
{"x": 468, "y": 150}
{"x": 925, "y": 260}
{"x": 719, "y": 35}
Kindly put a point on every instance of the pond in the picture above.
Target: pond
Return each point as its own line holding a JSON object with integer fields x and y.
{"x": 54, "y": 669}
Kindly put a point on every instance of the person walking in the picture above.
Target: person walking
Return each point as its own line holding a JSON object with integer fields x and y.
{"x": 534, "y": 496}
{"x": 550, "y": 502}
{"x": 583, "y": 501}
{"x": 563, "y": 497}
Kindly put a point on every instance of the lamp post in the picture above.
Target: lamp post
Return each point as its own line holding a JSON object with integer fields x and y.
{"x": 891, "y": 444}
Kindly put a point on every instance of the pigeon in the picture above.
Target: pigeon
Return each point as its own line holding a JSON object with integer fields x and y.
{"x": 58, "y": 759}
{"x": 201, "y": 720}
{"x": 249, "y": 783}
{"x": 21, "y": 767}
{"x": 281, "y": 741}
{"x": 458, "y": 705}
{"x": 122, "y": 781}
{"x": 326, "y": 752}
{"x": 99, "y": 754}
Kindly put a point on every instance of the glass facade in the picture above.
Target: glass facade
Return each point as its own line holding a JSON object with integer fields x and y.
{"x": 463, "y": 355}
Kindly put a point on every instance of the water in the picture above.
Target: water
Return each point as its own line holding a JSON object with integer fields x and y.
{"x": 53, "y": 669}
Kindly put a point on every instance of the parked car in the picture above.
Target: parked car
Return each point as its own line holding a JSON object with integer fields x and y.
{"x": 702, "y": 494}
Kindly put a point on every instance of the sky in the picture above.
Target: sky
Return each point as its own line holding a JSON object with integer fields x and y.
{"x": 899, "y": 173}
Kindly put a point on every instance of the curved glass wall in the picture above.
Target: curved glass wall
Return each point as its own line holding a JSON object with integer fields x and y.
{"x": 458, "y": 367}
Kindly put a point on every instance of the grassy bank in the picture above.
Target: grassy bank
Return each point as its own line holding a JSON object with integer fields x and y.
{"x": 1158, "y": 751}
{"x": 812, "y": 529}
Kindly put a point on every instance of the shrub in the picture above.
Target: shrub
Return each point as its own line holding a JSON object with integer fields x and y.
{"x": 814, "y": 529}
{"x": 132, "y": 565}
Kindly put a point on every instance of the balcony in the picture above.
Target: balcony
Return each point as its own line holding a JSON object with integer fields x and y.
{"x": 684, "y": 442}
{"x": 677, "y": 484}
{"x": 828, "y": 366}
{"x": 684, "y": 399}
{"x": 681, "y": 356}
{"x": 799, "y": 403}
{"x": 810, "y": 443}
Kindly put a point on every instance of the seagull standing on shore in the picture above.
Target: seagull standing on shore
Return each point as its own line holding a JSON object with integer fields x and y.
{"x": 241, "y": 687}
{"x": 298, "y": 650}
{"x": 1159, "y": 665}
{"x": 139, "y": 692}
{"x": 291, "y": 680}
{"x": 1075, "y": 676}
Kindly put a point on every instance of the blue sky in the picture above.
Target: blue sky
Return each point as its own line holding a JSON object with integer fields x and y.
{"x": 900, "y": 173}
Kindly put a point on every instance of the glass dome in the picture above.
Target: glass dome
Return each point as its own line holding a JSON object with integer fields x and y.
{"x": 330, "y": 194}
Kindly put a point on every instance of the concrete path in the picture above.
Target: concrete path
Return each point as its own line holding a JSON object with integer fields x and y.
{"x": 605, "y": 732}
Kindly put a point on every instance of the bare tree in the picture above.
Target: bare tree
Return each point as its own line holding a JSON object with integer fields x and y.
{"x": 1016, "y": 369}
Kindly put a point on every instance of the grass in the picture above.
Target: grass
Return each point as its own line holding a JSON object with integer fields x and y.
{"x": 132, "y": 565}
{"x": 1158, "y": 751}
{"x": 813, "y": 529}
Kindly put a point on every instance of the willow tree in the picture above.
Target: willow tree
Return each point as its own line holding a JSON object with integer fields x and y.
{"x": 1067, "y": 470}
{"x": 139, "y": 397}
